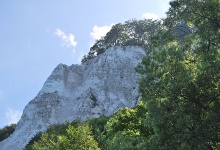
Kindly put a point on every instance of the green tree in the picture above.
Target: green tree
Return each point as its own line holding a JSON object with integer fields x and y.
{"x": 131, "y": 33}
{"x": 98, "y": 127}
{"x": 121, "y": 141}
{"x": 181, "y": 79}
{"x": 116, "y": 36}
{"x": 129, "y": 121}
{"x": 81, "y": 138}
{"x": 127, "y": 129}
{"x": 71, "y": 136}
{"x": 7, "y": 131}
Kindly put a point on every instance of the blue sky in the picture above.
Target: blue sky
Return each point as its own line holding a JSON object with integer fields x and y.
{"x": 36, "y": 36}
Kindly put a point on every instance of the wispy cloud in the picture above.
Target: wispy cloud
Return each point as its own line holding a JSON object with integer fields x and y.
{"x": 1, "y": 93}
{"x": 99, "y": 32}
{"x": 47, "y": 30}
{"x": 67, "y": 40}
{"x": 150, "y": 16}
{"x": 12, "y": 115}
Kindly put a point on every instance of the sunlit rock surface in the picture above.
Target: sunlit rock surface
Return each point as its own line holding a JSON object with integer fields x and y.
{"x": 96, "y": 88}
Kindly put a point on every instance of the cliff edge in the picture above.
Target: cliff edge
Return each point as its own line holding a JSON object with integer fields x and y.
{"x": 95, "y": 88}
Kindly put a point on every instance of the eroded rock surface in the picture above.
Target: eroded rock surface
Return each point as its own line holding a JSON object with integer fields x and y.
{"x": 93, "y": 89}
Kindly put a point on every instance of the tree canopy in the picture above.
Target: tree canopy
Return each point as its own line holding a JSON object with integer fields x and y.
{"x": 181, "y": 80}
{"x": 7, "y": 131}
{"x": 130, "y": 33}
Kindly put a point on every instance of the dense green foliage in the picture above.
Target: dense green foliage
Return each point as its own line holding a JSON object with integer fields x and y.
{"x": 65, "y": 136}
{"x": 6, "y": 131}
{"x": 181, "y": 79}
{"x": 131, "y": 33}
{"x": 126, "y": 129}
{"x": 180, "y": 88}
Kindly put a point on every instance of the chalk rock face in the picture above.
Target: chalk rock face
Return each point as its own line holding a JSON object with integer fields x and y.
{"x": 96, "y": 88}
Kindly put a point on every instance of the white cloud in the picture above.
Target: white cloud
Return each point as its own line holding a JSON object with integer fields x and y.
{"x": 66, "y": 40}
{"x": 99, "y": 32}
{"x": 12, "y": 116}
{"x": 150, "y": 16}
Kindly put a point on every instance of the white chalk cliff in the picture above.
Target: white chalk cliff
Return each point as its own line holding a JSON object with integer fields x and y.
{"x": 96, "y": 88}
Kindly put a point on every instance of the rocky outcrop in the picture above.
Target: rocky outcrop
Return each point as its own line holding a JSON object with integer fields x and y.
{"x": 96, "y": 88}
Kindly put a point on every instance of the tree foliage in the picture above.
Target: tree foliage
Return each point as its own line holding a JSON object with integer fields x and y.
{"x": 69, "y": 136}
{"x": 127, "y": 129}
{"x": 7, "y": 131}
{"x": 130, "y": 33}
{"x": 181, "y": 79}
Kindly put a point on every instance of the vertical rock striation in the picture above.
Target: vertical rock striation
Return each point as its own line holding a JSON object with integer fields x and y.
{"x": 96, "y": 88}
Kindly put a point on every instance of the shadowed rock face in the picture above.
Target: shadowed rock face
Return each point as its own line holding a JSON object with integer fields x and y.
{"x": 96, "y": 88}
